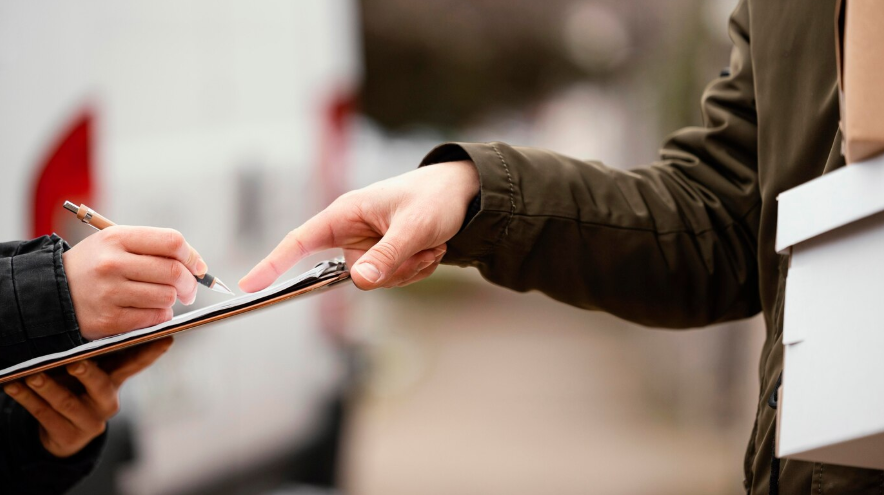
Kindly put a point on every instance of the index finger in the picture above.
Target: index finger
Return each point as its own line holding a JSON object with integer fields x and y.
{"x": 314, "y": 235}
{"x": 168, "y": 243}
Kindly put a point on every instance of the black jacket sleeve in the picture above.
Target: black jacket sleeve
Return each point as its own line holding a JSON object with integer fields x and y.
{"x": 26, "y": 468}
{"x": 36, "y": 310}
{"x": 36, "y": 318}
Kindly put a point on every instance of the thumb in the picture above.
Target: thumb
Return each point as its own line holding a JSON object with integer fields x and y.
{"x": 385, "y": 257}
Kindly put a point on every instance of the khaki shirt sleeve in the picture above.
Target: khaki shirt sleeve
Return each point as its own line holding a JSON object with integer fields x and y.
{"x": 671, "y": 244}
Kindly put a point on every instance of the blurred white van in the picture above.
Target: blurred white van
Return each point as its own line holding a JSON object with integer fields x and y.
{"x": 223, "y": 120}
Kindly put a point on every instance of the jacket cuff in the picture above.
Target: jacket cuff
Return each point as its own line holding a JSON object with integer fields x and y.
{"x": 33, "y": 468}
{"x": 499, "y": 197}
{"x": 45, "y": 310}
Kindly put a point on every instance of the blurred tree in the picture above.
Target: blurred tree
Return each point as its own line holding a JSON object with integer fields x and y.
{"x": 444, "y": 63}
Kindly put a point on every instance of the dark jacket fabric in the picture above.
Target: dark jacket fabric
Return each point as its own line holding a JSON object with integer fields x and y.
{"x": 36, "y": 310}
{"x": 688, "y": 240}
{"x": 36, "y": 318}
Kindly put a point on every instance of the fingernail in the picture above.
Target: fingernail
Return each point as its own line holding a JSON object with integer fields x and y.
{"x": 201, "y": 267}
{"x": 424, "y": 265}
{"x": 13, "y": 389}
{"x": 36, "y": 381}
{"x": 369, "y": 272}
{"x": 78, "y": 369}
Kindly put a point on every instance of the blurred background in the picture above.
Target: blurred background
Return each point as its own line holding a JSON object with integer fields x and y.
{"x": 234, "y": 121}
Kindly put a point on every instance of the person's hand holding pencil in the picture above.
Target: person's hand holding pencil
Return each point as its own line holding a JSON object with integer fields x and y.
{"x": 125, "y": 278}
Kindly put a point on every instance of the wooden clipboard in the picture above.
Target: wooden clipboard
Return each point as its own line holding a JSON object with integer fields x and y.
{"x": 323, "y": 276}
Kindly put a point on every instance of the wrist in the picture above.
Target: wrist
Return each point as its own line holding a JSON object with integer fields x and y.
{"x": 466, "y": 184}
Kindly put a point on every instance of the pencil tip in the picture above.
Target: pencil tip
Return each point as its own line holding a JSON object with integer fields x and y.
{"x": 219, "y": 286}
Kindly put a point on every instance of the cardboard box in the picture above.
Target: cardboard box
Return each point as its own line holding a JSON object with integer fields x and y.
{"x": 831, "y": 404}
{"x": 860, "y": 37}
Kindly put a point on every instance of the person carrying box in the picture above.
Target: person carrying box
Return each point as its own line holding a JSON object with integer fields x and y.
{"x": 686, "y": 241}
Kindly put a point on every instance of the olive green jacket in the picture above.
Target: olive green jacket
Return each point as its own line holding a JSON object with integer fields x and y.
{"x": 688, "y": 240}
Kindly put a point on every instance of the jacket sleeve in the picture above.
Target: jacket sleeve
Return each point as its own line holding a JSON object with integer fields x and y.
{"x": 36, "y": 318}
{"x": 26, "y": 468}
{"x": 36, "y": 310}
{"x": 671, "y": 244}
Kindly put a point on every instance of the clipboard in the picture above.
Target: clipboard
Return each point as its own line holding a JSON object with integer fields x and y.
{"x": 323, "y": 276}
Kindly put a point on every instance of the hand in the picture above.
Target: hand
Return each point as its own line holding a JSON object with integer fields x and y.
{"x": 124, "y": 278}
{"x": 69, "y": 419}
{"x": 393, "y": 232}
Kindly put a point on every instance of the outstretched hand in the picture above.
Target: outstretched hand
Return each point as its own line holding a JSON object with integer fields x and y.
{"x": 393, "y": 232}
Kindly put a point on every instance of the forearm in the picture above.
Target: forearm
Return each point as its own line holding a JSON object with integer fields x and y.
{"x": 643, "y": 245}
